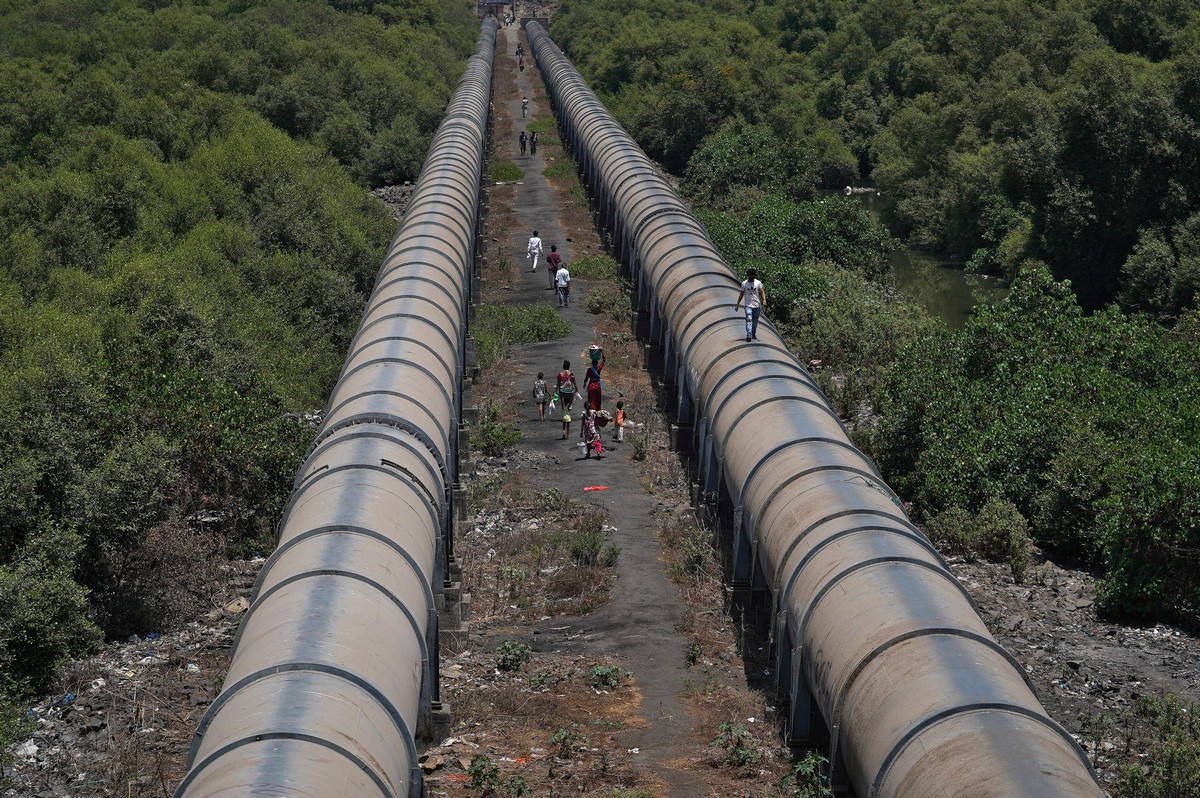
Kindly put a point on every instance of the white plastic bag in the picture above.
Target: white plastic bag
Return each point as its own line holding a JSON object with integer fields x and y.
{"x": 553, "y": 405}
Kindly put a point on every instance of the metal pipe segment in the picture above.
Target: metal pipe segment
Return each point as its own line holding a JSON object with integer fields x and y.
{"x": 872, "y": 629}
{"x": 335, "y": 664}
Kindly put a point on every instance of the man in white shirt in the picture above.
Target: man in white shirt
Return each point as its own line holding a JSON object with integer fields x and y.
{"x": 535, "y": 250}
{"x": 562, "y": 282}
{"x": 756, "y": 297}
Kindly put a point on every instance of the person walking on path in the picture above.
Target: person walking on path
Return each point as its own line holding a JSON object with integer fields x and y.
{"x": 756, "y": 297}
{"x": 565, "y": 388}
{"x": 533, "y": 143}
{"x": 524, "y": 107}
{"x": 535, "y": 245}
{"x": 539, "y": 395}
{"x": 591, "y": 380}
{"x": 619, "y": 423}
{"x": 562, "y": 283}
{"x": 589, "y": 433}
{"x": 553, "y": 261}
{"x": 522, "y": 139}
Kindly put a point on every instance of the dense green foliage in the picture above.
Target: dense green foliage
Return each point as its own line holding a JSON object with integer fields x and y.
{"x": 1036, "y": 140}
{"x": 184, "y": 254}
{"x": 1089, "y": 425}
{"x": 999, "y": 131}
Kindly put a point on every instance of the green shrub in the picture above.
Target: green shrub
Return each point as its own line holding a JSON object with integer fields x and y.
{"x": 567, "y": 739}
{"x": 610, "y": 299}
{"x": 808, "y": 778}
{"x": 513, "y": 655}
{"x": 484, "y": 779}
{"x": 999, "y": 533}
{"x": 505, "y": 172}
{"x": 490, "y": 435}
{"x": 43, "y": 611}
{"x": 695, "y": 555}
{"x": 1003, "y": 536}
{"x": 586, "y": 546}
{"x": 605, "y": 677}
{"x": 740, "y": 749}
{"x": 1172, "y": 767}
{"x": 953, "y": 532}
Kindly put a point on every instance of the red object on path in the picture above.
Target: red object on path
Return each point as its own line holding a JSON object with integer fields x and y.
{"x": 597, "y": 487}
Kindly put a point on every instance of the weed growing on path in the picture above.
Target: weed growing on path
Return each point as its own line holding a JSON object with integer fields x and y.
{"x": 740, "y": 749}
{"x": 513, "y": 655}
{"x": 505, "y": 172}
{"x": 808, "y": 778}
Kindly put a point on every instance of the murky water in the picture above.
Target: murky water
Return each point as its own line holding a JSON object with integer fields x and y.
{"x": 940, "y": 286}
{"x": 943, "y": 288}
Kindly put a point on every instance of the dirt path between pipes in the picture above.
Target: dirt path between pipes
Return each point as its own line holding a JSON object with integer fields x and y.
{"x": 672, "y": 645}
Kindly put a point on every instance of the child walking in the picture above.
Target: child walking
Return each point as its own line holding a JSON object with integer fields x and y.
{"x": 539, "y": 395}
{"x": 591, "y": 437}
{"x": 619, "y": 423}
{"x": 566, "y": 422}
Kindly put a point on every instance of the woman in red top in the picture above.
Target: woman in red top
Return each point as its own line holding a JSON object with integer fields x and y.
{"x": 593, "y": 385}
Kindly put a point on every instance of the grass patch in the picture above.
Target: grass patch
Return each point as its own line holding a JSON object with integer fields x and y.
{"x": 499, "y": 326}
{"x": 596, "y": 267}
{"x": 564, "y": 168}
{"x": 542, "y": 125}
{"x": 577, "y": 196}
{"x": 505, "y": 172}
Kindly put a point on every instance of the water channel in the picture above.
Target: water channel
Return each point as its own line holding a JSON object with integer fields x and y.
{"x": 938, "y": 285}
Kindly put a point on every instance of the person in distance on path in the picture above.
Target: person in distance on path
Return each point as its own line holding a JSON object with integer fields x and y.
{"x": 524, "y": 107}
{"x": 522, "y": 139}
{"x": 535, "y": 244}
{"x": 756, "y": 297}
{"x": 562, "y": 281}
{"x": 553, "y": 261}
{"x": 533, "y": 143}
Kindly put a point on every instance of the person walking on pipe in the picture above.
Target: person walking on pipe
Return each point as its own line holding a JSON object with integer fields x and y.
{"x": 755, "y": 297}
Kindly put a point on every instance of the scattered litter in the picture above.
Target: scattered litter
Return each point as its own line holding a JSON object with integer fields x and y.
{"x": 596, "y": 487}
{"x": 193, "y": 667}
